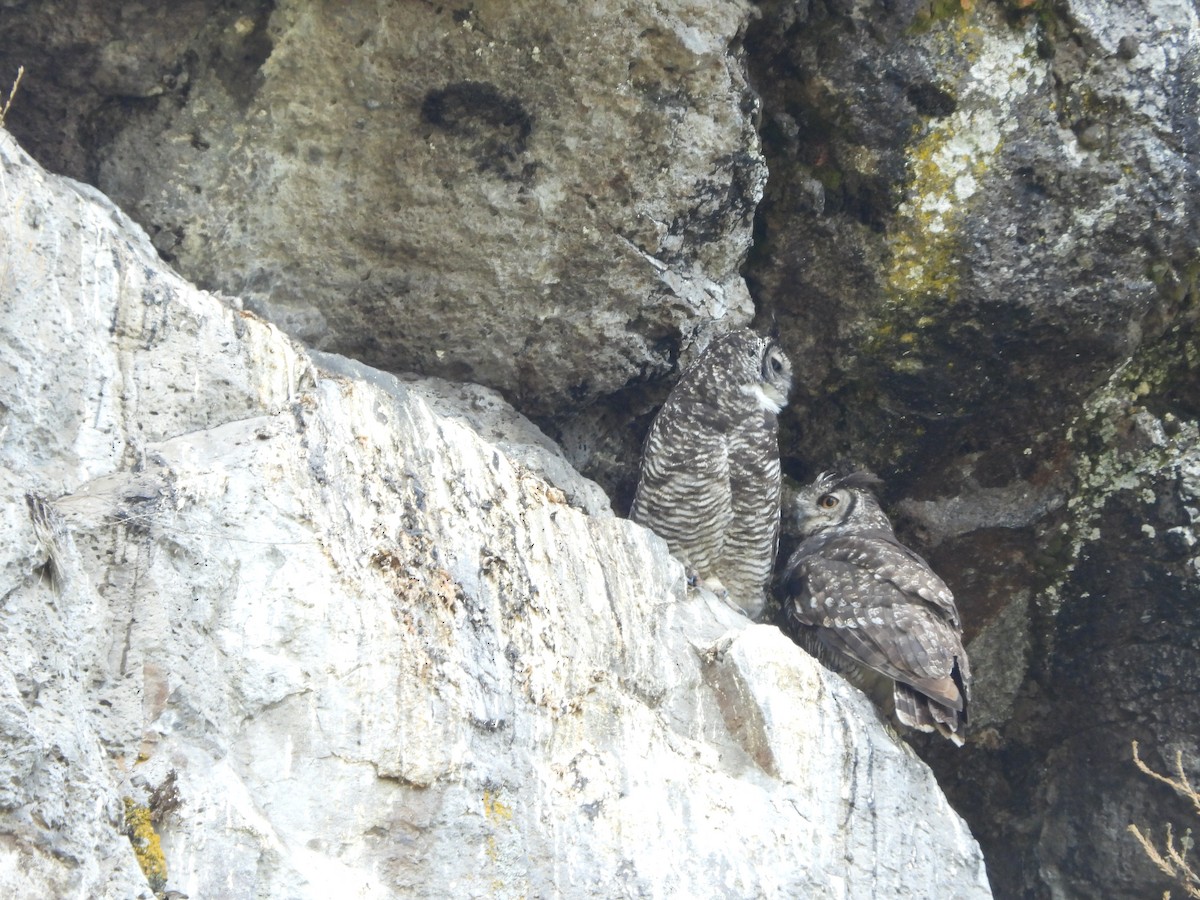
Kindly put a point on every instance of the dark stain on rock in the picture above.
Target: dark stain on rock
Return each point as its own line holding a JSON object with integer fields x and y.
{"x": 492, "y": 127}
{"x": 930, "y": 100}
{"x": 717, "y": 203}
{"x": 237, "y": 58}
{"x": 99, "y": 128}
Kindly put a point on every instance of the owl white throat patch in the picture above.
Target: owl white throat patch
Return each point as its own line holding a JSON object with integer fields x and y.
{"x": 770, "y": 400}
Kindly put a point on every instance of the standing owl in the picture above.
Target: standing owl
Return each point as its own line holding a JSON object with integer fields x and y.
{"x": 873, "y": 609}
{"x": 710, "y": 480}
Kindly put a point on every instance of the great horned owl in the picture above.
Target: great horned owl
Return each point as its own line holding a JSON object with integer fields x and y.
{"x": 873, "y": 609}
{"x": 710, "y": 479}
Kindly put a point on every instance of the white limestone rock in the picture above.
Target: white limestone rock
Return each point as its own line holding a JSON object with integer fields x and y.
{"x": 382, "y": 657}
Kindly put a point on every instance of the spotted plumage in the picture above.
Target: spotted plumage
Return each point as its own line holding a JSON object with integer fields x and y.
{"x": 710, "y": 480}
{"x": 873, "y": 609}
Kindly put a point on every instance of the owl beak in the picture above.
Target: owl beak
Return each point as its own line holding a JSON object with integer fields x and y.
{"x": 805, "y": 523}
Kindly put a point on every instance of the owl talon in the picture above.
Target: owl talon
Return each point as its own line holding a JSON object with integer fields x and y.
{"x": 710, "y": 584}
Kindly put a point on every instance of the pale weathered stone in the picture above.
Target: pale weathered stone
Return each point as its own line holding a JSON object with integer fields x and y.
{"x": 380, "y": 657}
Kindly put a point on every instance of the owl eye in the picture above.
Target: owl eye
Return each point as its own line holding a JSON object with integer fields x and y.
{"x": 776, "y": 365}
{"x": 827, "y": 501}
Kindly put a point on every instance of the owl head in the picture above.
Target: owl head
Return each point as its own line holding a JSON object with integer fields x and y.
{"x": 765, "y": 369}
{"x": 839, "y": 499}
{"x": 775, "y": 371}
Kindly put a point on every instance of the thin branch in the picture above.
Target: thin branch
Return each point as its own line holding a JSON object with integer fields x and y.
{"x": 1152, "y": 851}
{"x": 1183, "y": 787}
{"x": 1174, "y": 864}
{"x": 11, "y": 94}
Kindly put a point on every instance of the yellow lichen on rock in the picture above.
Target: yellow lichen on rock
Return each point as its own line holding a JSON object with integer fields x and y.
{"x": 945, "y": 171}
{"x": 496, "y": 810}
{"x": 146, "y": 845}
{"x": 949, "y": 161}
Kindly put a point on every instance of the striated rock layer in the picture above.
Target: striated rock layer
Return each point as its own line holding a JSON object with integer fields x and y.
{"x": 346, "y": 634}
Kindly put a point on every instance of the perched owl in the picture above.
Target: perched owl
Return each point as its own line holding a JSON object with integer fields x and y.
{"x": 873, "y": 609}
{"x": 710, "y": 479}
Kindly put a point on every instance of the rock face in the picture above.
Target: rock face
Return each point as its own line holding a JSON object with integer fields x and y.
{"x": 328, "y": 630}
{"x": 980, "y": 236}
{"x": 386, "y": 182}
{"x": 966, "y": 245}
{"x": 978, "y": 243}
{"x": 1105, "y": 655}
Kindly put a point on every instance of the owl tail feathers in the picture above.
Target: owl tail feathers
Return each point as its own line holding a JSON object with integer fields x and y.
{"x": 919, "y": 711}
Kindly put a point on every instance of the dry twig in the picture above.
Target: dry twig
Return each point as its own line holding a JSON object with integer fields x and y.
{"x": 11, "y": 94}
{"x": 1172, "y": 861}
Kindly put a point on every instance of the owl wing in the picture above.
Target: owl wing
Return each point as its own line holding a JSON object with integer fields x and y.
{"x": 877, "y": 602}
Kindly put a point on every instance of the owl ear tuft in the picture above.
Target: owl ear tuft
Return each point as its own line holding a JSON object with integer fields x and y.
{"x": 847, "y": 473}
{"x": 861, "y": 479}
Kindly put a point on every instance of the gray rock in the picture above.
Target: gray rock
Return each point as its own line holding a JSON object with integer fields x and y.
{"x": 992, "y": 296}
{"x": 373, "y": 653}
{"x": 487, "y": 414}
{"x": 543, "y": 200}
{"x": 1008, "y": 213}
{"x": 978, "y": 243}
